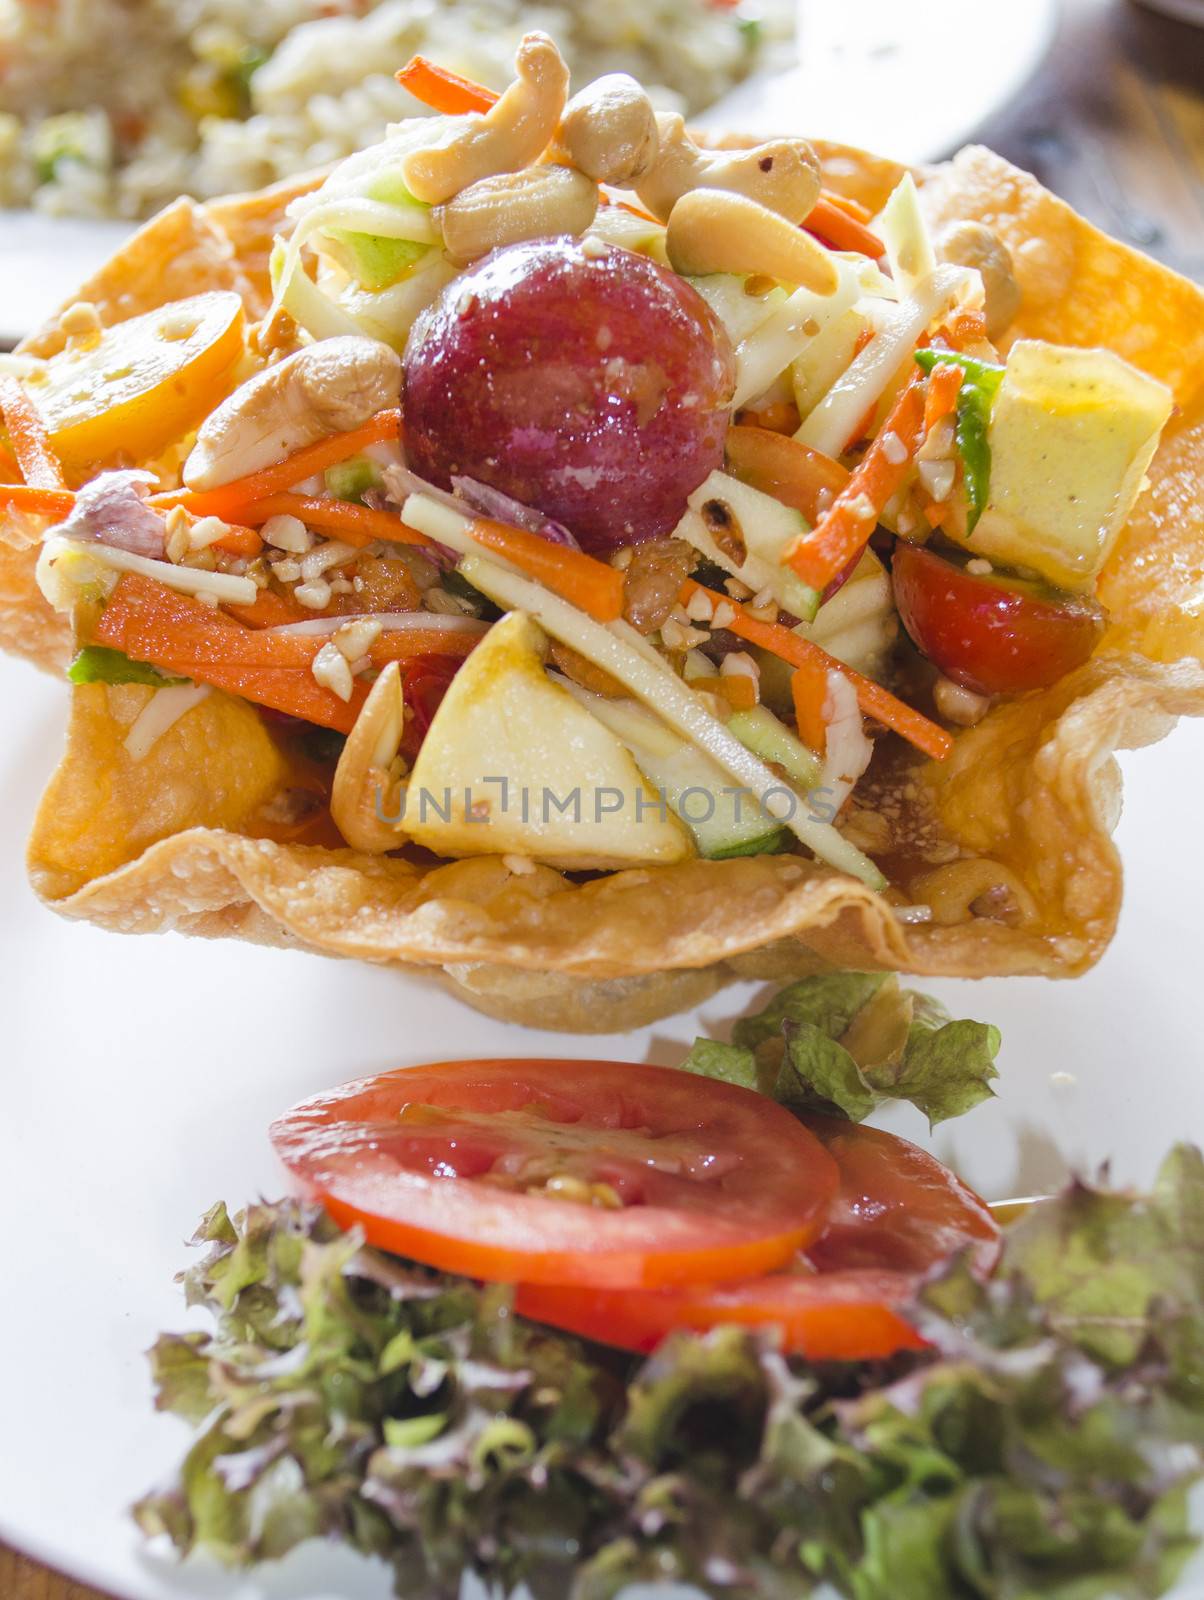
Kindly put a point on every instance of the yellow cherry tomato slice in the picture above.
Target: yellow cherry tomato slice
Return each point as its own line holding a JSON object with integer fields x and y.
{"x": 139, "y": 385}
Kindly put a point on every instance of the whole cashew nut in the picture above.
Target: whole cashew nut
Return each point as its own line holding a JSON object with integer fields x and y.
{"x": 511, "y": 135}
{"x": 609, "y": 130}
{"x": 711, "y": 230}
{"x": 366, "y": 791}
{"x": 972, "y": 244}
{"x": 782, "y": 174}
{"x": 513, "y": 206}
{"x": 328, "y": 387}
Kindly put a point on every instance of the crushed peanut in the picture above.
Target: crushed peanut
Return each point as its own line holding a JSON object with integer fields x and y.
{"x": 355, "y": 639}
{"x": 320, "y": 560}
{"x": 314, "y": 596}
{"x": 700, "y": 607}
{"x": 287, "y": 533}
{"x": 176, "y": 527}
{"x": 740, "y": 664}
{"x": 206, "y": 531}
{"x": 332, "y": 670}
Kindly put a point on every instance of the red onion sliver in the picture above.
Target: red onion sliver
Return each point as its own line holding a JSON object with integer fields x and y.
{"x": 493, "y": 503}
{"x": 112, "y": 510}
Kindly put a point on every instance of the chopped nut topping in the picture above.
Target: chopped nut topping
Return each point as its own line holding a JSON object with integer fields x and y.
{"x": 332, "y": 670}
{"x": 314, "y": 596}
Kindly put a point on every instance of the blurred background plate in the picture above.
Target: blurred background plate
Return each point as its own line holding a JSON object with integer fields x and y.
{"x": 901, "y": 80}
{"x": 900, "y": 83}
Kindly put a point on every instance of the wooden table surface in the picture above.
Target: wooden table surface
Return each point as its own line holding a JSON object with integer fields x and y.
{"x": 1113, "y": 122}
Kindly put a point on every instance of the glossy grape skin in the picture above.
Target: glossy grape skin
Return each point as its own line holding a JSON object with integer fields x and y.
{"x": 580, "y": 378}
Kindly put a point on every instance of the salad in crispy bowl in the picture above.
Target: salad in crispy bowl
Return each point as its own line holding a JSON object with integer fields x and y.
{"x": 598, "y": 565}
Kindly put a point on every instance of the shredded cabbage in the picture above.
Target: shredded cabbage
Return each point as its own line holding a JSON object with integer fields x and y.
{"x": 832, "y": 422}
{"x": 905, "y": 234}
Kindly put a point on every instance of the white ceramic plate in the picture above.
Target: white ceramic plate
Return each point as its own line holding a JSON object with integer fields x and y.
{"x": 875, "y": 86}
{"x": 140, "y": 1074}
{"x": 43, "y": 261}
{"x": 894, "y": 78}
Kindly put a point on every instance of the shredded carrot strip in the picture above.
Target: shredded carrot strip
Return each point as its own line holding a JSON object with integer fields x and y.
{"x": 150, "y": 622}
{"x": 936, "y": 513}
{"x": 9, "y": 470}
{"x": 442, "y": 89}
{"x": 846, "y": 527}
{"x": 809, "y": 690}
{"x": 966, "y": 327}
{"x": 39, "y": 502}
{"x": 405, "y": 645}
{"x": 39, "y": 465}
{"x": 240, "y": 541}
{"x": 873, "y": 699}
{"x": 268, "y": 610}
{"x": 587, "y": 583}
{"x": 841, "y": 229}
{"x": 626, "y": 205}
{"x": 593, "y": 585}
{"x": 943, "y": 386}
{"x": 846, "y": 203}
{"x": 230, "y": 499}
{"x": 357, "y": 525}
{"x": 785, "y": 468}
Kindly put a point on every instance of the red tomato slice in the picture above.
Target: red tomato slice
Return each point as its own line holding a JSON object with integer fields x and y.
{"x": 990, "y": 634}
{"x": 551, "y": 1171}
{"x": 898, "y": 1214}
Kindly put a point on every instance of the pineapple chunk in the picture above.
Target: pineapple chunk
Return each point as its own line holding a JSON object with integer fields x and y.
{"x": 1071, "y": 435}
{"x": 513, "y": 764}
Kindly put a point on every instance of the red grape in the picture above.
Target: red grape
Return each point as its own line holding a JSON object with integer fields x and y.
{"x": 580, "y": 378}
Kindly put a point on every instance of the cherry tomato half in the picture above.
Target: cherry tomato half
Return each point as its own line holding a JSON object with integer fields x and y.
{"x": 551, "y": 1171}
{"x": 899, "y": 1213}
{"x": 991, "y": 634}
{"x": 426, "y": 679}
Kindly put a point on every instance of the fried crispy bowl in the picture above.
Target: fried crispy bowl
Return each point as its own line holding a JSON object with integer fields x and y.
{"x": 1019, "y": 815}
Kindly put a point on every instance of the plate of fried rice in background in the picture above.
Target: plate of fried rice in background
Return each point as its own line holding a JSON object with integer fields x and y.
{"x": 219, "y": 96}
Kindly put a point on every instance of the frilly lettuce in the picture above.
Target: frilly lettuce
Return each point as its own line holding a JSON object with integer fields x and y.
{"x": 1043, "y": 1445}
{"x": 845, "y": 1042}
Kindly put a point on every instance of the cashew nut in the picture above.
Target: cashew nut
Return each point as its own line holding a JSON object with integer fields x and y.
{"x": 511, "y": 135}
{"x": 782, "y": 174}
{"x": 711, "y": 230}
{"x": 329, "y": 387}
{"x": 367, "y": 790}
{"x": 609, "y": 130}
{"x": 972, "y": 244}
{"x": 513, "y": 206}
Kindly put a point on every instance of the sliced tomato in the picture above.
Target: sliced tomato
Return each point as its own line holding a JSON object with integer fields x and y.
{"x": 991, "y": 634}
{"x": 898, "y": 1213}
{"x": 897, "y": 1207}
{"x": 549, "y": 1171}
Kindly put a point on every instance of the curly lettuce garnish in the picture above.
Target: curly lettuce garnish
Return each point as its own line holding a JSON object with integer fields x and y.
{"x": 1043, "y": 1445}
{"x": 845, "y": 1042}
